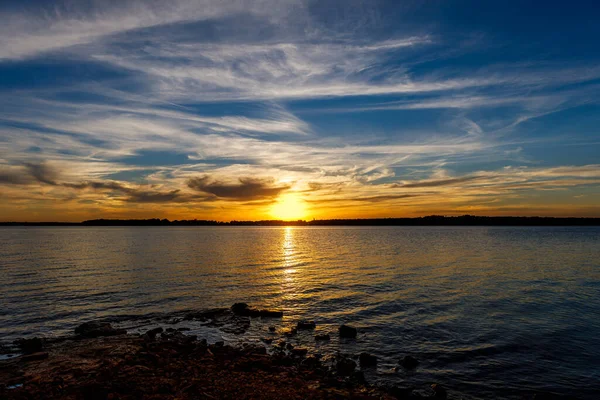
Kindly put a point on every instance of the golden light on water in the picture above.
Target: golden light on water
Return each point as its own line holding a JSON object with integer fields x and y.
{"x": 289, "y": 207}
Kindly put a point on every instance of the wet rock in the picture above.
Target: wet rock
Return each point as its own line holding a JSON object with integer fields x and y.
{"x": 311, "y": 362}
{"x": 271, "y": 329}
{"x": 345, "y": 366}
{"x": 29, "y": 346}
{"x": 367, "y": 360}
{"x": 323, "y": 336}
{"x": 97, "y": 329}
{"x": 439, "y": 391}
{"x": 401, "y": 393}
{"x": 243, "y": 309}
{"x": 299, "y": 352}
{"x": 289, "y": 346}
{"x": 267, "y": 340}
{"x": 151, "y": 334}
{"x": 306, "y": 325}
{"x": 290, "y": 332}
{"x": 347, "y": 331}
{"x": 35, "y": 356}
{"x": 183, "y": 329}
{"x": 219, "y": 344}
{"x": 409, "y": 362}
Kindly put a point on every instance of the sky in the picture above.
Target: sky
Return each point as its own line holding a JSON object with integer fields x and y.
{"x": 282, "y": 109}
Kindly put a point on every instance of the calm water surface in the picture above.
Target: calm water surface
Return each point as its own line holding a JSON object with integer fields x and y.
{"x": 490, "y": 312}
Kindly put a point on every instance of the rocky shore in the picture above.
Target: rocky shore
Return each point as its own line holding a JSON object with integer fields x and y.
{"x": 104, "y": 362}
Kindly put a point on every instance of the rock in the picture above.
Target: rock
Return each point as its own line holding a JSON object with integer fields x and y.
{"x": 35, "y": 356}
{"x": 170, "y": 330}
{"x": 323, "y": 336}
{"x": 289, "y": 346}
{"x": 347, "y": 331}
{"x": 151, "y": 334}
{"x": 299, "y": 352}
{"x": 345, "y": 366}
{"x": 29, "y": 346}
{"x": 305, "y": 325}
{"x": 311, "y": 362}
{"x": 267, "y": 340}
{"x": 439, "y": 391}
{"x": 271, "y": 329}
{"x": 245, "y": 310}
{"x": 183, "y": 329}
{"x": 409, "y": 362}
{"x": 239, "y": 308}
{"x": 367, "y": 360}
{"x": 97, "y": 329}
{"x": 401, "y": 392}
{"x": 290, "y": 332}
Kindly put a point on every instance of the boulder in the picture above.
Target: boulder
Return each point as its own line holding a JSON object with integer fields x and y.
{"x": 322, "y": 336}
{"x": 347, "y": 331}
{"x": 29, "y": 346}
{"x": 299, "y": 351}
{"x": 439, "y": 391}
{"x": 244, "y": 310}
{"x": 305, "y": 325}
{"x": 97, "y": 329}
{"x": 40, "y": 355}
{"x": 271, "y": 329}
{"x": 345, "y": 366}
{"x": 367, "y": 360}
{"x": 409, "y": 362}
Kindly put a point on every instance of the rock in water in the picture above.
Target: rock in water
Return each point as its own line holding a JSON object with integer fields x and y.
{"x": 409, "y": 362}
{"x": 96, "y": 329}
{"x": 439, "y": 391}
{"x": 345, "y": 366}
{"x": 29, "y": 346}
{"x": 323, "y": 336}
{"x": 245, "y": 310}
{"x": 306, "y": 325}
{"x": 347, "y": 331}
{"x": 367, "y": 360}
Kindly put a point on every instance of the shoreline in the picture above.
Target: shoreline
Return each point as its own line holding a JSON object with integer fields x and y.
{"x": 102, "y": 361}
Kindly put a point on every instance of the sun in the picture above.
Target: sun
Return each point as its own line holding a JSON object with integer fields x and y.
{"x": 289, "y": 207}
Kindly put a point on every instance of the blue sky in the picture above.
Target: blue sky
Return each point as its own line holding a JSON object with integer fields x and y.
{"x": 226, "y": 109}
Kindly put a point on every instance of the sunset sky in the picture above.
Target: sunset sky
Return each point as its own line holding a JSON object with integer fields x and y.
{"x": 268, "y": 109}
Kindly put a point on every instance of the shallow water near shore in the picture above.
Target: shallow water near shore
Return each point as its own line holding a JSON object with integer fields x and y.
{"x": 491, "y": 312}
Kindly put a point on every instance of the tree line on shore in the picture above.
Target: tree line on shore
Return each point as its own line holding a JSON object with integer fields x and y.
{"x": 432, "y": 220}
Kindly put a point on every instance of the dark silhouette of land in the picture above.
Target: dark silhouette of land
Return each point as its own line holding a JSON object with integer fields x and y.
{"x": 432, "y": 220}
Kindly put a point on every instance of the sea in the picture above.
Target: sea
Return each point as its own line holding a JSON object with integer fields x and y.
{"x": 489, "y": 312}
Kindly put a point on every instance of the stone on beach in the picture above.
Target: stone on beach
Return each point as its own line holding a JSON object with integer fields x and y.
{"x": 29, "y": 346}
{"x": 96, "y": 329}
{"x": 243, "y": 309}
{"x": 322, "y": 336}
{"x": 367, "y": 360}
{"x": 409, "y": 362}
{"x": 306, "y": 325}
{"x": 347, "y": 331}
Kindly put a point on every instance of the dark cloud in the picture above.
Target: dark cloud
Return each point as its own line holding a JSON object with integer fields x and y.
{"x": 138, "y": 194}
{"x": 436, "y": 182}
{"x": 244, "y": 189}
{"x": 28, "y": 174}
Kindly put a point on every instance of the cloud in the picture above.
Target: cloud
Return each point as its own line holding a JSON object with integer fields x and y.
{"x": 244, "y": 189}
{"x": 436, "y": 182}
{"x": 27, "y": 174}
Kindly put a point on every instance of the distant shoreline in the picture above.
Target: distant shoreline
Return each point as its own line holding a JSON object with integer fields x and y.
{"x": 433, "y": 220}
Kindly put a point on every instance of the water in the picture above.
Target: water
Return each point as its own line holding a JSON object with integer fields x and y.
{"x": 490, "y": 312}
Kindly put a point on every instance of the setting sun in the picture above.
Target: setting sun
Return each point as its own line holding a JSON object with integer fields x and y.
{"x": 289, "y": 207}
